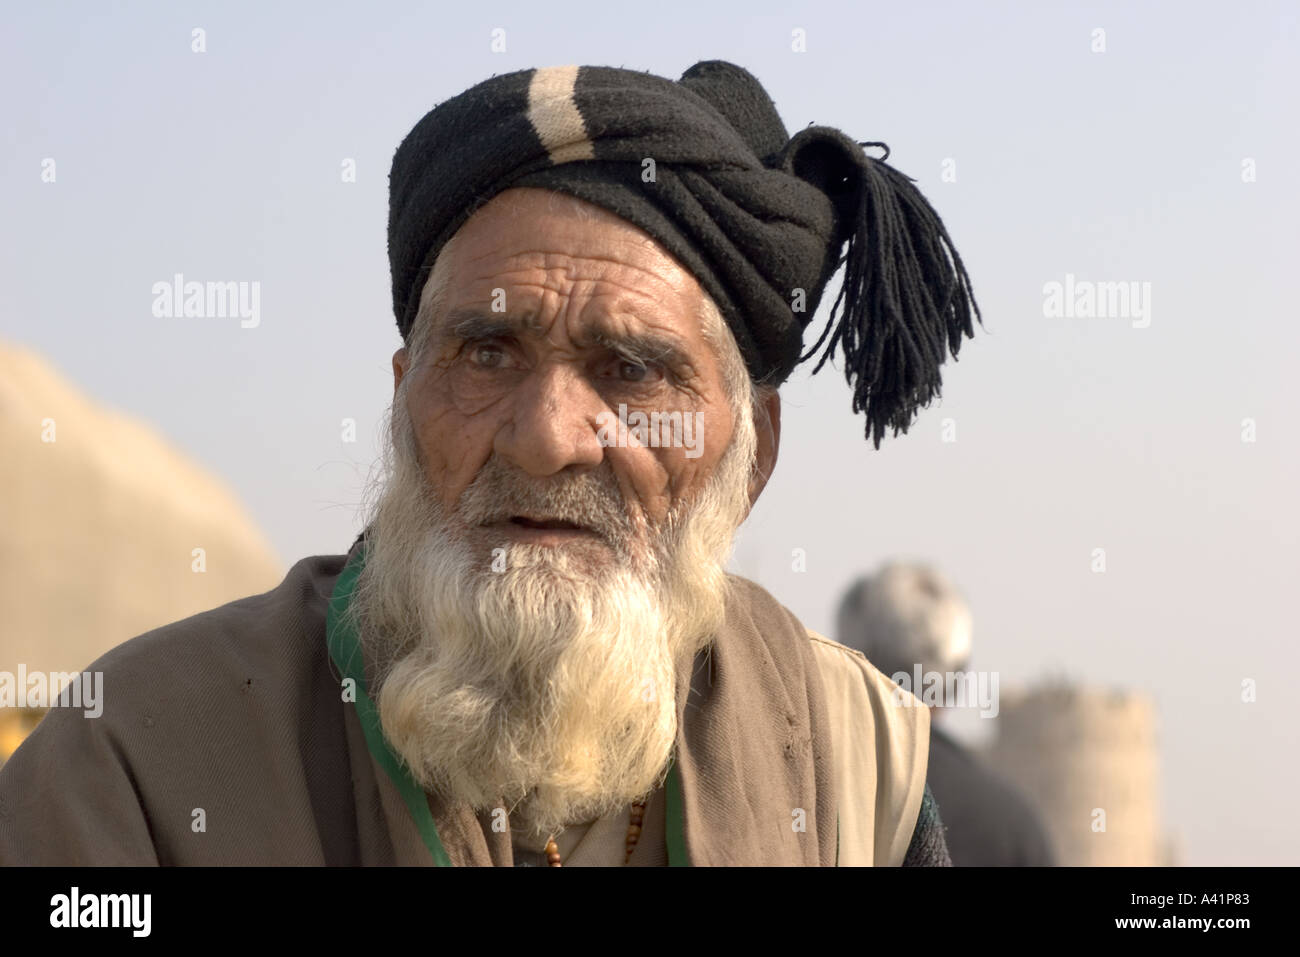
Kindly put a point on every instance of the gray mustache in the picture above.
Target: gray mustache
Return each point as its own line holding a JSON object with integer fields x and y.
{"x": 592, "y": 499}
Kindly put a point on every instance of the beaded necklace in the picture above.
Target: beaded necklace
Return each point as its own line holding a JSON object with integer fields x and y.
{"x": 633, "y": 834}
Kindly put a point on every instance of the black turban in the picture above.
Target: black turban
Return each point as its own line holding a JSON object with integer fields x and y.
{"x": 758, "y": 217}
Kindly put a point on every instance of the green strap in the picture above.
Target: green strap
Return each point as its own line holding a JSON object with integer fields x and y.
{"x": 345, "y": 651}
{"x": 673, "y": 820}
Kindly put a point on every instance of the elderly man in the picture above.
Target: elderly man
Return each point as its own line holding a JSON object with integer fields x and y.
{"x": 533, "y": 654}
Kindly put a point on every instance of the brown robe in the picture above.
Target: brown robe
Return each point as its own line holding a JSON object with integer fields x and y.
{"x": 225, "y": 739}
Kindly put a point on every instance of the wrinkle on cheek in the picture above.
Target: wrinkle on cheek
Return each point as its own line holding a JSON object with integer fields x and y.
{"x": 452, "y": 443}
{"x": 637, "y": 485}
{"x": 648, "y": 480}
{"x": 427, "y": 403}
{"x": 663, "y": 477}
{"x": 478, "y": 405}
{"x": 439, "y": 391}
{"x": 681, "y": 482}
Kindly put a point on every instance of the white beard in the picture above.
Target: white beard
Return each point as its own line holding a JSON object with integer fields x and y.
{"x": 551, "y": 684}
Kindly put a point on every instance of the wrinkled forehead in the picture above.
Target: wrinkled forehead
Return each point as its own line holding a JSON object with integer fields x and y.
{"x": 529, "y": 254}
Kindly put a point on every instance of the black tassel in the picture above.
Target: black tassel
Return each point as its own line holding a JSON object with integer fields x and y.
{"x": 909, "y": 300}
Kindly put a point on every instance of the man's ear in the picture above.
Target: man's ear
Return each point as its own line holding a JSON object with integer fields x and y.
{"x": 767, "y": 426}
{"x": 400, "y": 363}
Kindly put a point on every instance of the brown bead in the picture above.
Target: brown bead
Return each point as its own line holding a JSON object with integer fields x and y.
{"x": 633, "y": 835}
{"x": 636, "y": 816}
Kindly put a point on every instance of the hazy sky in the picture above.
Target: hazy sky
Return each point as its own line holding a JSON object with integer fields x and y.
{"x": 1160, "y": 161}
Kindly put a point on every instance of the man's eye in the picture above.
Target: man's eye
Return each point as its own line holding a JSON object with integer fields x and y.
{"x": 630, "y": 370}
{"x": 488, "y": 356}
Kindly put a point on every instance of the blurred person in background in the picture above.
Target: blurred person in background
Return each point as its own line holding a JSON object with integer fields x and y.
{"x": 909, "y": 615}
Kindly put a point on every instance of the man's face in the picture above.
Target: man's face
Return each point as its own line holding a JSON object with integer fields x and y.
{"x": 550, "y": 318}
{"x": 531, "y": 591}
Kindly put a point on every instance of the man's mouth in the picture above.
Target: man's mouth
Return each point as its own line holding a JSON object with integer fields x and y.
{"x": 542, "y": 530}
{"x": 523, "y": 521}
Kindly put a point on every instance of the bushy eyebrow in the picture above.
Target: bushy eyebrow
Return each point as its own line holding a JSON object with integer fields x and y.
{"x": 473, "y": 325}
{"x": 643, "y": 347}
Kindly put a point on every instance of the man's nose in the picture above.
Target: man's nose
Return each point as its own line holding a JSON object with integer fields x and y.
{"x": 553, "y": 424}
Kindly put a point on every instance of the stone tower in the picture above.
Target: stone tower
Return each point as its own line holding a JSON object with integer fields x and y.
{"x": 1087, "y": 760}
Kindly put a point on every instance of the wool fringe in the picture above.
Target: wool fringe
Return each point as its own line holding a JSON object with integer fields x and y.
{"x": 907, "y": 301}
